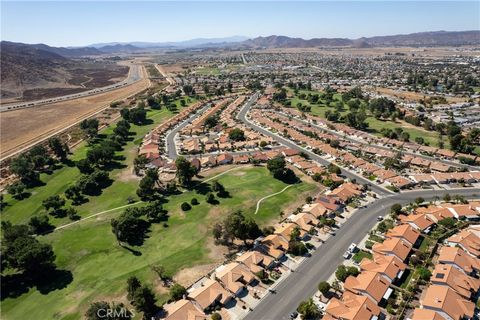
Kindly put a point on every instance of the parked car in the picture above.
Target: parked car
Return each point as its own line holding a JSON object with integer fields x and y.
{"x": 379, "y": 218}
{"x": 293, "y": 315}
{"x": 352, "y": 248}
{"x": 347, "y": 255}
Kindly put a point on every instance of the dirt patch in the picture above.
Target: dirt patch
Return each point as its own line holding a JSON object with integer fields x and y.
{"x": 23, "y": 127}
{"x": 186, "y": 277}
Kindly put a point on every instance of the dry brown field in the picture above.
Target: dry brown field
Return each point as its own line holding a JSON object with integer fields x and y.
{"x": 24, "y": 127}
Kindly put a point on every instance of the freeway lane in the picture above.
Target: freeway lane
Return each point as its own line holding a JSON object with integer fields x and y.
{"x": 302, "y": 284}
{"x": 242, "y": 116}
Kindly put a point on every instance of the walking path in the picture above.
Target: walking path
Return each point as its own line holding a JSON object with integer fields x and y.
{"x": 271, "y": 195}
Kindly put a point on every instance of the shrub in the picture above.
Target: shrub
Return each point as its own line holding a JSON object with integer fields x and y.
{"x": 185, "y": 206}
{"x": 194, "y": 202}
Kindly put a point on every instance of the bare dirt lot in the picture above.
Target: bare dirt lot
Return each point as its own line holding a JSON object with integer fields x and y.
{"x": 23, "y": 127}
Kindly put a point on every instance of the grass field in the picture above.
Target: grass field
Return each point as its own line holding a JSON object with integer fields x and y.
{"x": 88, "y": 249}
{"x": 114, "y": 196}
{"x": 100, "y": 267}
{"x": 374, "y": 124}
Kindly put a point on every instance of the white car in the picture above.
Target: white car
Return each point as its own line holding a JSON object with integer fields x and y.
{"x": 352, "y": 248}
{"x": 346, "y": 255}
{"x": 379, "y": 218}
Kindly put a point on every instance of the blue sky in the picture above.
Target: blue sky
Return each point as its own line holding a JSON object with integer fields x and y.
{"x": 70, "y": 23}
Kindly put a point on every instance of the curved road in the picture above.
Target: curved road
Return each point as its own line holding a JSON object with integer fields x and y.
{"x": 170, "y": 138}
{"x": 134, "y": 75}
{"x": 302, "y": 283}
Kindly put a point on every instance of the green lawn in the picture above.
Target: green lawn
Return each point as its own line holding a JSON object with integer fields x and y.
{"x": 56, "y": 183}
{"x": 100, "y": 267}
{"x": 358, "y": 257}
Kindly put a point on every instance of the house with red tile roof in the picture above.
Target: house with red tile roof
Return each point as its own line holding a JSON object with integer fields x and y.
{"x": 370, "y": 284}
{"x": 351, "y": 307}
{"x": 184, "y": 310}
{"x": 447, "y": 275}
{"x": 460, "y": 259}
{"x": 393, "y": 247}
{"x": 447, "y": 303}
{"x": 466, "y": 240}
{"x": 405, "y": 232}
{"x": 390, "y": 267}
{"x": 419, "y": 221}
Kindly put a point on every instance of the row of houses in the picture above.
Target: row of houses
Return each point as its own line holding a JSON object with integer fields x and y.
{"x": 444, "y": 178}
{"x": 386, "y": 142}
{"x": 364, "y": 294}
{"x": 238, "y": 277}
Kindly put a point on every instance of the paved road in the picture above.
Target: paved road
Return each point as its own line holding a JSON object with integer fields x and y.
{"x": 242, "y": 116}
{"x": 134, "y": 75}
{"x": 170, "y": 138}
{"x": 302, "y": 283}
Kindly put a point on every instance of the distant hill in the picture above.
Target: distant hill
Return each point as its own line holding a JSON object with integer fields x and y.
{"x": 437, "y": 38}
{"x": 50, "y": 70}
{"x": 136, "y": 45}
{"x": 118, "y": 48}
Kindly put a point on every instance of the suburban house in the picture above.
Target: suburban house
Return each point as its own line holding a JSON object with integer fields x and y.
{"x": 405, "y": 232}
{"x": 183, "y": 310}
{"x": 235, "y": 277}
{"x": 466, "y": 240}
{"x": 448, "y": 275}
{"x": 305, "y": 221}
{"x": 419, "y": 221}
{"x": 210, "y": 294}
{"x": 351, "y": 307}
{"x": 447, "y": 303}
{"x": 370, "y": 284}
{"x": 460, "y": 259}
{"x": 256, "y": 261}
{"x": 390, "y": 267}
{"x": 393, "y": 247}
{"x": 286, "y": 229}
{"x": 275, "y": 245}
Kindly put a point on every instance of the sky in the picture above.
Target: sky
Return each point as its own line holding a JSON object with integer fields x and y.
{"x": 72, "y": 23}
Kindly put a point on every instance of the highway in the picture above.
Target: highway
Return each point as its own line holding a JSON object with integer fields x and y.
{"x": 302, "y": 283}
{"x": 134, "y": 75}
{"x": 242, "y": 115}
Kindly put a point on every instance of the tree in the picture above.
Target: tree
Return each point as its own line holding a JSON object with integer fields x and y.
{"x": 137, "y": 115}
{"x": 17, "y": 189}
{"x": 295, "y": 234}
{"x": 177, "y": 292}
{"x": 144, "y": 301}
{"x": 297, "y": 248}
{"x": 309, "y": 310}
{"x": 74, "y": 193}
{"x": 54, "y": 205}
{"x": 39, "y": 224}
{"x": 424, "y": 274}
{"x": 72, "y": 213}
{"x": 186, "y": 206}
{"x": 100, "y": 154}
{"x": 396, "y": 209}
{"x": 447, "y": 197}
{"x": 146, "y": 188}
{"x": 448, "y": 222}
{"x": 23, "y": 252}
{"x": 343, "y": 272}
{"x": 334, "y": 169}
{"x": 324, "y": 287}
{"x": 237, "y": 135}
{"x": 102, "y": 310}
{"x": 84, "y": 166}
{"x": 59, "y": 148}
{"x": 419, "y": 200}
{"x": 25, "y": 170}
{"x": 194, "y": 201}
{"x": 90, "y": 128}
{"x": 210, "y": 122}
{"x": 210, "y": 198}
{"x": 139, "y": 163}
{"x": 185, "y": 171}
{"x": 129, "y": 228}
{"x": 133, "y": 284}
